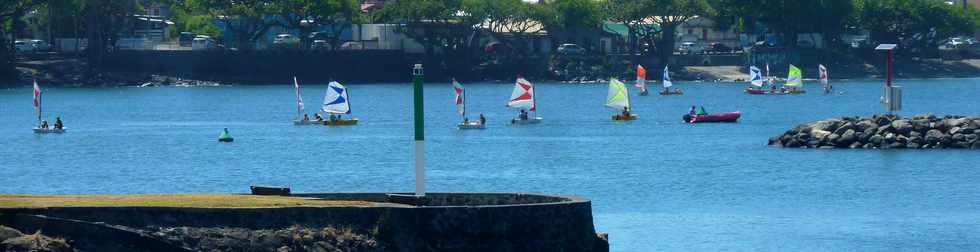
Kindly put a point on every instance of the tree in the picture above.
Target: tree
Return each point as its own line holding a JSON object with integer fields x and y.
{"x": 10, "y": 11}
{"x": 670, "y": 14}
{"x": 919, "y": 25}
{"x": 305, "y": 16}
{"x": 511, "y": 22}
{"x": 565, "y": 18}
{"x": 437, "y": 24}
{"x": 637, "y": 16}
{"x": 104, "y": 19}
{"x": 247, "y": 20}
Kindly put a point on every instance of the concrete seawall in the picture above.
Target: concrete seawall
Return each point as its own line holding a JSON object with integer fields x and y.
{"x": 447, "y": 221}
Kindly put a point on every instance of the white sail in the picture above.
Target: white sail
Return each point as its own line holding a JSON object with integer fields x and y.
{"x": 523, "y": 95}
{"x": 336, "y": 101}
{"x": 667, "y": 82}
{"x": 460, "y": 98}
{"x": 756, "y": 76}
{"x": 299, "y": 98}
{"x": 618, "y": 97}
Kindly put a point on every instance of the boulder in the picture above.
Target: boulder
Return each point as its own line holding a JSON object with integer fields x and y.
{"x": 912, "y": 145}
{"x": 972, "y": 138}
{"x": 825, "y": 125}
{"x": 870, "y": 132}
{"x": 813, "y": 143}
{"x": 915, "y": 139}
{"x": 865, "y": 124}
{"x": 868, "y": 146}
{"x": 832, "y": 138}
{"x": 819, "y": 134}
{"x": 901, "y": 139}
{"x": 959, "y": 137}
{"x": 855, "y": 145}
{"x": 877, "y": 139}
{"x": 955, "y": 122}
{"x": 960, "y": 145}
{"x": 954, "y": 130}
{"x": 902, "y": 126}
{"x": 968, "y": 130}
{"x": 933, "y": 136}
{"x": 792, "y": 143}
{"x": 844, "y": 128}
{"x": 896, "y": 145}
{"x": 915, "y": 134}
{"x": 847, "y": 138}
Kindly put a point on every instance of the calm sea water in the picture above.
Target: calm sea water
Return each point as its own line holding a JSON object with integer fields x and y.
{"x": 656, "y": 184}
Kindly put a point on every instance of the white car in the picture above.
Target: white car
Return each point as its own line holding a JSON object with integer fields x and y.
{"x": 691, "y": 48}
{"x": 285, "y": 40}
{"x": 202, "y": 42}
{"x": 40, "y": 45}
{"x": 21, "y": 46}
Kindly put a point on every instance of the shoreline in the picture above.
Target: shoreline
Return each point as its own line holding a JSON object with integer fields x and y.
{"x": 70, "y": 73}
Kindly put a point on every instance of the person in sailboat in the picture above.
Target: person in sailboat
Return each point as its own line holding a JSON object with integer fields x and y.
{"x": 626, "y": 112}
{"x": 44, "y": 124}
{"x": 522, "y": 115}
{"x": 317, "y": 117}
{"x": 694, "y": 111}
{"x": 466, "y": 120}
{"x": 483, "y": 119}
{"x": 58, "y": 124}
{"x": 306, "y": 117}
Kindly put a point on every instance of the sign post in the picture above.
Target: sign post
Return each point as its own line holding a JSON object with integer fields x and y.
{"x": 417, "y": 81}
{"x": 893, "y": 94}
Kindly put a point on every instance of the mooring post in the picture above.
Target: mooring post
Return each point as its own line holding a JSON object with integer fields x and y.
{"x": 893, "y": 95}
{"x": 417, "y": 82}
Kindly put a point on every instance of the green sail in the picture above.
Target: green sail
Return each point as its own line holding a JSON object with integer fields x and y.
{"x": 795, "y": 78}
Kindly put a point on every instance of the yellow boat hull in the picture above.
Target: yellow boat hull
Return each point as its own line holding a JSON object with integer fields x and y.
{"x": 624, "y": 118}
{"x": 340, "y": 122}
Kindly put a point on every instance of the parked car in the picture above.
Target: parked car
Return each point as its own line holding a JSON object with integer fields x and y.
{"x": 202, "y": 42}
{"x": 717, "y": 47}
{"x": 186, "y": 39}
{"x": 352, "y": 46}
{"x": 21, "y": 46}
{"x": 691, "y": 48}
{"x": 320, "y": 45}
{"x": 285, "y": 40}
{"x": 571, "y": 49}
{"x": 40, "y": 45}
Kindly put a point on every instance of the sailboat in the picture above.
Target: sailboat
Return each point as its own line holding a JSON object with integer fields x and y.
{"x": 641, "y": 80}
{"x": 461, "y": 108}
{"x": 42, "y": 127}
{"x": 756, "y": 81}
{"x": 619, "y": 98}
{"x": 300, "y": 119}
{"x": 667, "y": 84}
{"x": 523, "y": 98}
{"x": 336, "y": 103}
{"x": 824, "y": 79}
{"x": 794, "y": 81}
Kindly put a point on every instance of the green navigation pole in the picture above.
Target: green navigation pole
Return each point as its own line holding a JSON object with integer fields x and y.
{"x": 417, "y": 78}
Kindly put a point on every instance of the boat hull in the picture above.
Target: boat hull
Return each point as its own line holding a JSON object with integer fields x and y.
{"x": 307, "y": 122}
{"x": 470, "y": 125}
{"x": 530, "y": 120}
{"x": 340, "y": 122}
{"x": 767, "y": 92}
{"x": 713, "y": 118}
{"x": 624, "y": 118}
{"x": 49, "y": 131}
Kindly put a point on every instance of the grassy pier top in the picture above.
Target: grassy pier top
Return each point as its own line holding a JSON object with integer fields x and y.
{"x": 169, "y": 200}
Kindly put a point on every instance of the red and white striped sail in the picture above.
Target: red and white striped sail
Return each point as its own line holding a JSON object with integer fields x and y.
{"x": 523, "y": 95}
{"x": 460, "y": 98}
{"x": 641, "y": 78}
{"x": 37, "y": 95}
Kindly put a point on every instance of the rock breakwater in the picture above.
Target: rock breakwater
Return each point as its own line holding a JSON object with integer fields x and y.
{"x": 885, "y": 132}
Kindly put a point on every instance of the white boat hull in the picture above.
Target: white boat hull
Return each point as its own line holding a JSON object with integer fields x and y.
{"x": 307, "y": 122}
{"x": 49, "y": 130}
{"x": 471, "y": 125}
{"x": 530, "y": 120}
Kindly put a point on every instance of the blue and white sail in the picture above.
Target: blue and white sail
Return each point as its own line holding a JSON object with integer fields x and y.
{"x": 666, "y": 80}
{"x": 336, "y": 101}
{"x": 756, "y": 76}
